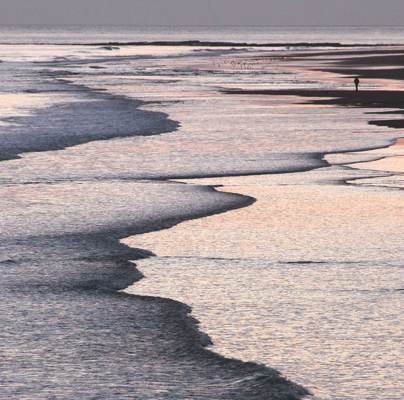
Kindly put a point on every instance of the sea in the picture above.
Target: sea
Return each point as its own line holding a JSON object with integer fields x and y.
{"x": 164, "y": 238}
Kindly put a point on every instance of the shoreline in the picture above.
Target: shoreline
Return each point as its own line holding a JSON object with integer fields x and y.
{"x": 202, "y": 43}
{"x": 119, "y": 256}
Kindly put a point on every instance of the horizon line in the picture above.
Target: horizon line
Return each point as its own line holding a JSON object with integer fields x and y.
{"x": 203, "y": 25}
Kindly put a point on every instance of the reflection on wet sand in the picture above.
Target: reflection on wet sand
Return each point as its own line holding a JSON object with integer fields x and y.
{"x": 390, "y": 159}
{"x": 283, "y": 223}
{"x": 306, "y": 298}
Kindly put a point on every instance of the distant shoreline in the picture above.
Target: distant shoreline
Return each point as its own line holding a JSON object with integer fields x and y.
{"x": 201, "y": 43}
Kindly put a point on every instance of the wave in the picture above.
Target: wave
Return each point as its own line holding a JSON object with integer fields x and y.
{"x": 93, "y": 115}
{"x": 91, "y": 339}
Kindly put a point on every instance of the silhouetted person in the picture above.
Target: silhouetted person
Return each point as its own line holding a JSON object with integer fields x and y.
{"x": 357, "y": 82}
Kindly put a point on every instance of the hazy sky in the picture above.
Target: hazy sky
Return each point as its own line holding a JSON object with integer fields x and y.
{"x": 203, "y": 12}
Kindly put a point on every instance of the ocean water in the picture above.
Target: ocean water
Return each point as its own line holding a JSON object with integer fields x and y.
{"x": 255, "y": 34}
{"x": 291, "y": 257}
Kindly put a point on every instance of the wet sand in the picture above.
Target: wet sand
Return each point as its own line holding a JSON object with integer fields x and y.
{"x": 363, "y": 98}
{"x": 367, "y": 68}
{"x": 390, "y": 159}
{"x": 345, "y": 217}
{"x": 295, "y": 264}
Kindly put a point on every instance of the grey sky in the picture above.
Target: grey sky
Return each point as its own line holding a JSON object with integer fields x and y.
{"x": 203, "y": 12}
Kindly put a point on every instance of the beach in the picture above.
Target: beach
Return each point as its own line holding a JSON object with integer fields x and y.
{"x": 200, "y": 219}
